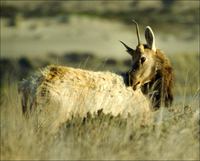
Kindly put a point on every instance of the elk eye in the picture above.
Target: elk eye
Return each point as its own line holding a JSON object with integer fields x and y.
{"x": 142, "y": 60}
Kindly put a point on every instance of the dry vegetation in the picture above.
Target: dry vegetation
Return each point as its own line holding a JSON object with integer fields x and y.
{"x": 174, "y": 133}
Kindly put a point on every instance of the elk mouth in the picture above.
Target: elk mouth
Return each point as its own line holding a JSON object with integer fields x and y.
{"x": 136, "y": 85}
{"x": 139, "y": 84}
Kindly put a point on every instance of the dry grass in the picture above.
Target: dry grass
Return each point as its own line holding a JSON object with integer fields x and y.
{"x": 174, "y": 134}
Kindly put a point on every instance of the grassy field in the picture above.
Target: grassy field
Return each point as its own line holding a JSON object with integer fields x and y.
{"x": 173, "y": 133}
{"x": 85, "y": 35}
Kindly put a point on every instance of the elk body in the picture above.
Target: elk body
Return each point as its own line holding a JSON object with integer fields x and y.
{"x": 66, "y": 91}
{"x": 60, "y": 93}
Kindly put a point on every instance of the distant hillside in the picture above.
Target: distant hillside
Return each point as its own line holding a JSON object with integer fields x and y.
{"x": 181, "y": 14}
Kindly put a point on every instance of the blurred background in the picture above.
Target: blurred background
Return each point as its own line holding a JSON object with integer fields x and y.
{"x": 86, "y": 34}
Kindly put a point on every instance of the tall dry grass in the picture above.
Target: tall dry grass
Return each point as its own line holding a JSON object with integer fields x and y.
{"x": 174, "y": 134}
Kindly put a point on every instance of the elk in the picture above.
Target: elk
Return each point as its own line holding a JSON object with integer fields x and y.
{"x": 62, "y": 92}
{"x": 151, "y": 70}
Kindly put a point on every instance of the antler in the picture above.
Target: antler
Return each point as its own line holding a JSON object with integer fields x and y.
{"x": 128, "y": 49}
{"x": 138, "y": 32}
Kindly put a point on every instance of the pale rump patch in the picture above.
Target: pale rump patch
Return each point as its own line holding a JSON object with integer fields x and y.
{"x": 62, "y": 92}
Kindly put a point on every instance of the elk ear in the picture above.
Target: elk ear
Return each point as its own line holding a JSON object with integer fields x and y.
{"x": 128, "y": 49}
{"x": 150, "y": 38}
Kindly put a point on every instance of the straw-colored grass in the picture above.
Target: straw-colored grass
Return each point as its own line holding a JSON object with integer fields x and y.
{"x": 174, "y": 134}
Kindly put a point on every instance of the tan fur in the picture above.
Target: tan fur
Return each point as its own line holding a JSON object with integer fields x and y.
{"x": 60, "y": 92}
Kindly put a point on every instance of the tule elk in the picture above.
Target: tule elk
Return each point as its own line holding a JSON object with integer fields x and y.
{"x": 58, "y": 93}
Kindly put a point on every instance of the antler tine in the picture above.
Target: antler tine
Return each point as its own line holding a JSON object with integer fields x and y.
{"x": 138, "y": 32}
{"x": 127, "y": 47}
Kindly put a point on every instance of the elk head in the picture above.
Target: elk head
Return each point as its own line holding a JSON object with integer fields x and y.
{"x": 150, "y": 68}
{"x": 143, "y": 59}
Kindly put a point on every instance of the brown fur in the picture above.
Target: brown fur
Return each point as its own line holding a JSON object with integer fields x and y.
{"x": 167, "y": 78}
{"x": 161, "y": 83}
{"x": 151, "y": 70}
